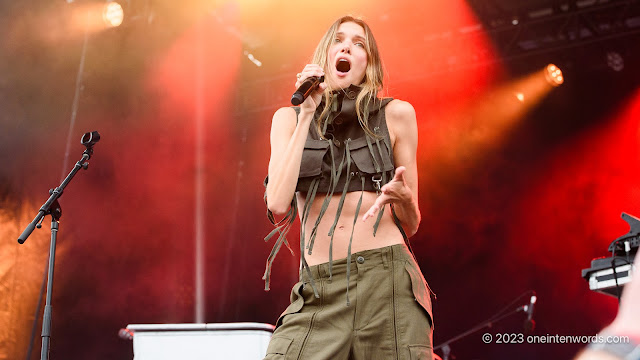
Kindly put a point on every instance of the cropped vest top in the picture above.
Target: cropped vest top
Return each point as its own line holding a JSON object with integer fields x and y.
{"x": 345, "y": 159}
{"x": 346, "y": 154}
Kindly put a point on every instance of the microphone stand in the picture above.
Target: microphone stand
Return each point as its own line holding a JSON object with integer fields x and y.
{"x": 445, "y": 346}
{"x": 52, "y": 207}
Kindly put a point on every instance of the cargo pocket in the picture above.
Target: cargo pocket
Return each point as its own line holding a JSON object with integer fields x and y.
{"x": 278, "y": 347}
{"x": 312, "y": 156}
{"x": 420, "y": 352}
{"x": 421, "y": 290}
{"x": 361, "y": 155}
{"x": 297, "y": 301}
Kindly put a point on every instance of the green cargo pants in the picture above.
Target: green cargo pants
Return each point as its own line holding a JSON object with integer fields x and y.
{"x": 389, "y": 316}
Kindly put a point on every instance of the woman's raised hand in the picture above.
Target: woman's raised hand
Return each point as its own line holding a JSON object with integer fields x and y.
{"x": 394, "y": 191}
{"x": 311, "y": 103}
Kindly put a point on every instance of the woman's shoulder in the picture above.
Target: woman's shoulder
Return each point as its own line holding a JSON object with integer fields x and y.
{"x": 285, "y": 115}
{"x": 397, "y": 107}
{"x": 286, "y": 111}
{"x": 284, "y": 121}
{"x": 399, "y": 111}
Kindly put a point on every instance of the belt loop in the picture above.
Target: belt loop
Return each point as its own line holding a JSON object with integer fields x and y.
{"x": 320, "y": 271}
{"x": 325, "y": 271}
{"x": 386, "y": 254}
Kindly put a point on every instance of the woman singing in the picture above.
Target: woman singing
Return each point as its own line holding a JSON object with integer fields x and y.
{"x": 345, "y": 162}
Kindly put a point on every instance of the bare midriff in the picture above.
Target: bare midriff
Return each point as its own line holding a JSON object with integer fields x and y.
{"x": 388, "y": 233}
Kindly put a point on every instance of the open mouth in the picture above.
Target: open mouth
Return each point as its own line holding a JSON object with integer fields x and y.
{"x": 343, "y": 66}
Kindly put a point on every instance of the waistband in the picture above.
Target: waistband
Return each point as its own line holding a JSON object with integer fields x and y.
{"x": 367, "y": 258}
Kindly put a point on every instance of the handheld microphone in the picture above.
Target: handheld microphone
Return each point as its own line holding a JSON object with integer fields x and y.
{"x": 307, "y": 87}
{"x": 529, "y": 323}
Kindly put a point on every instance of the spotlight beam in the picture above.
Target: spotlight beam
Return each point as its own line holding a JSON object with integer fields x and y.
{"x": 482, "y": 125}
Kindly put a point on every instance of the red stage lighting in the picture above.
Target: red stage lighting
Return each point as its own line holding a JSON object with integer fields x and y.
{"x": 554, "y": 75}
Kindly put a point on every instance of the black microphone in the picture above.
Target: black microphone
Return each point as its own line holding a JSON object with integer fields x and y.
{"x": 529, "y": 323}
{"x": 307, "y": 87}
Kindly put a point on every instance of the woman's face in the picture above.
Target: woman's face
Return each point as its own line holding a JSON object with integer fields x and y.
{"x": 347, "y": 61}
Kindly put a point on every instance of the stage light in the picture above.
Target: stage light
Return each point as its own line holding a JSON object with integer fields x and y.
{"x": 615, "y": 61}
{"x": 553, "y": 75}
{"x": 113, "y": 14}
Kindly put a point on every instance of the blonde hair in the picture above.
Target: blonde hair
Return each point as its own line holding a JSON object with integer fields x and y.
{"x": 372, "y": 82}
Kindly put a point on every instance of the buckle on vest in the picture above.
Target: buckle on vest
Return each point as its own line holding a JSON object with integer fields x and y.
{"x": 377, "y": 182}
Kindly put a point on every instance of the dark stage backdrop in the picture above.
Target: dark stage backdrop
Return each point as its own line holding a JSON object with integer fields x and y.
{"x": 509, "y": 203}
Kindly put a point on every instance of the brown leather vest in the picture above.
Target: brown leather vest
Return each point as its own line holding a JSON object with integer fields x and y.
{"x": 369, "y": 158}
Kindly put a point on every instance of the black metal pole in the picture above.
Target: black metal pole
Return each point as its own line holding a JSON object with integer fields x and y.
{"x": 74, "y": 112}
{"x": 54, "y": 195}
{"x": 46, "y": 321}
{"x": 52, "y": 207}
{"x": 446, "y": 345}
{"x": 487, "y": 324}
{"x": 34, "y": 327}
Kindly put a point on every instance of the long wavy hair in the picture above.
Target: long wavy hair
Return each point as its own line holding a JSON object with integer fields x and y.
{"x": 371, "y": 84}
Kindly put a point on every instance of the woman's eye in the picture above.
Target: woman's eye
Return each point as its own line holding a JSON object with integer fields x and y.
{"x": 336, "y": 40}
{"x": 360, "y": 44}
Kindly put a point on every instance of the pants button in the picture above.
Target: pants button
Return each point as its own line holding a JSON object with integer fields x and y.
{"x": 360, "y": 260}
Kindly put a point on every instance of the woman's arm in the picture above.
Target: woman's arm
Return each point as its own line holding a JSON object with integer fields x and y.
{"x": 402, "y": 191}
{"x": 288, "y": 136}
{"x": 287, "y": 143}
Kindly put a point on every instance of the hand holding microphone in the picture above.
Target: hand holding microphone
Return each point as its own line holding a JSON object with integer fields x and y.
{"x": 310, "y": 84}
{"x": 307, "y": 87}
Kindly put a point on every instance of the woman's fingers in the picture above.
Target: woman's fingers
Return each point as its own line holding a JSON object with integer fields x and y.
{"x": 308, "y": 71}
{"x": 380, "y": 202}
{"x": 315, "y": 97}
{"x": 399, "y": 176}
{"x": 371, "y": 212}
{"x": 393, "y": 191}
